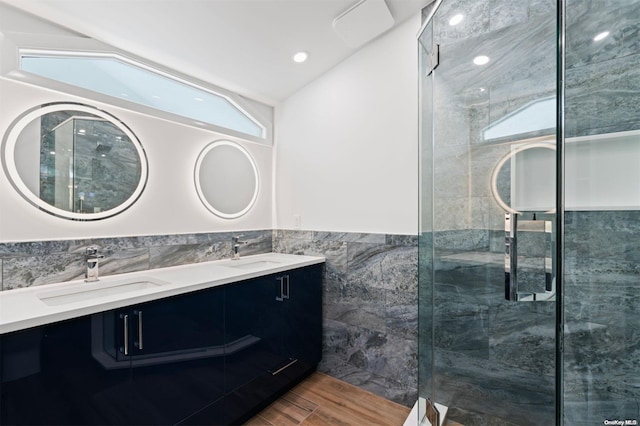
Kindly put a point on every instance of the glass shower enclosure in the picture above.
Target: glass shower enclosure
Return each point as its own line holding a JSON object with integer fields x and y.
{"x": 529, "y": 249}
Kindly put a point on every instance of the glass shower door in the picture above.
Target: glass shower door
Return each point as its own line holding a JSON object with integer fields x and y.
{"x": 488, "y": 82}
{"x": 494, "y": 233}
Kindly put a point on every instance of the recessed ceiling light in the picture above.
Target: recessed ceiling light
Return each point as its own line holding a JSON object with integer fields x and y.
{"x": 456, "y": 19}
{"x": 156, "y": 97}
{"x": 601, "y": 36}
{"x": 481, "y": 60}
{"x": 300, "y": 57}
{"x": 198, "y": 99}
{"x": 482, "y": 89}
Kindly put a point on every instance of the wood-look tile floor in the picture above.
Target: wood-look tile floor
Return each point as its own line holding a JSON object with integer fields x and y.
{"x": 321, "y": 400}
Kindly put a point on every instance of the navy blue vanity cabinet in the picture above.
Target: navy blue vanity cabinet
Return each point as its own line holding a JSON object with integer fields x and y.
{"x": 175, "y": 348}
{"x": 155, "y": 363}
{"x": 48, "y": 376}
{"x": 215, "y": 356}
{"x": 284, "y": 313}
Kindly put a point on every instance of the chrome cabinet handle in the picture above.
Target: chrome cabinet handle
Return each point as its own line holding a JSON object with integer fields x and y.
{"x": 284, "y": 283}
{"x": 138, "y": 344}
{"x": 281, "y": 369}
{"x": 511, "y": 226}
{"x": 286, "y": 296}
{"x": 125, "y": 320}
{"x": 281, "y": 297}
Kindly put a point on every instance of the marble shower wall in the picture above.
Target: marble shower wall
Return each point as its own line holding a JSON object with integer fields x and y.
{"x": 493, "y": 359}
{"x": 25, "y": 264}
{"x": 602, "y": 331}
{"x": 602, "y": 78}
{"x": 602, "y": 248}
{"x": 519, "y": 37}
{"x": 370, "y": 307}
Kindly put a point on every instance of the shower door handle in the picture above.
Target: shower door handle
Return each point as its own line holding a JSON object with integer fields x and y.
{"x": 511, "y": 225}
{"x": 510, "y": 257}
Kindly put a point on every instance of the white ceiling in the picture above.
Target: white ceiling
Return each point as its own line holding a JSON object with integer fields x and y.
{"x": 241, "y": 45}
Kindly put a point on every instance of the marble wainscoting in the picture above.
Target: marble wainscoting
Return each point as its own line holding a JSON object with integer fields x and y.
{"x": 26, "y": 264}
{"x": 370, "y": 307}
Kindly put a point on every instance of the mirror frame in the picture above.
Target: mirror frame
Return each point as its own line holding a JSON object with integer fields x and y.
{"x": 196, "y": 176}
{"x": 9, "y": 166}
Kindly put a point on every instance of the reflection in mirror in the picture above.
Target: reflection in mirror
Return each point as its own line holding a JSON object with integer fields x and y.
{"x": 226, "y": 179}
{"x": 524, "y": 178}
{"x": 75, "y": 161}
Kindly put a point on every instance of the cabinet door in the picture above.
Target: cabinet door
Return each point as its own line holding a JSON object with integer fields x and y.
{"x": 303, "y": 316}
{"x": 254, "y": 324}
{"x": 177, "y": 356}
{"x": 49, "y": 376}
{"x": 284, "y": 312}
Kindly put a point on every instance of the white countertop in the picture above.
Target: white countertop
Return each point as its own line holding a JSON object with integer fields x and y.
{"x": 33, "y": 306}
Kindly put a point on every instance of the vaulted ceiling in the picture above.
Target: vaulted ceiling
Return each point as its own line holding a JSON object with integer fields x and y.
{"x": 242, "y": 45}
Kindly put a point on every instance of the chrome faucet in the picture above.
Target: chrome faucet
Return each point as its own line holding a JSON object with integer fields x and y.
{"x": 92, "y": 258}
{"x": 236, "y": 246}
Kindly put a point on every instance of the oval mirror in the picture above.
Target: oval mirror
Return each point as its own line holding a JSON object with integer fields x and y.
{"x": 524, "y": 179}
{"x": 226, "y": 179}
{"x": 74, "y": 161}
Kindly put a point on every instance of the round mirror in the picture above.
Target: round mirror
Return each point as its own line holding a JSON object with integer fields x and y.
{"x": 74, "y": 161}
{"x": 524, "y": 178}
{"x": 226, "y": 179}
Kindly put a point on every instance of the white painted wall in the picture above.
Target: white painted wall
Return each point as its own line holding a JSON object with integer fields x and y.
{"x": 346, "y": 156}
{"x": 169, "y": 203}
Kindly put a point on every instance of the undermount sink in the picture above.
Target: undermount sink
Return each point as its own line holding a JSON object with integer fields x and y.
{"x": 252, "y": 264}
{"x": 95, "y": 290}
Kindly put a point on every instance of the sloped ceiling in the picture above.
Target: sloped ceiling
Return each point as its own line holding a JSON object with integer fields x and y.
{"x": 241, "y": 45}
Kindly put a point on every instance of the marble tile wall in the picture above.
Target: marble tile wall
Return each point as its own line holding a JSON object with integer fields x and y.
{"x": 602, "y": 259}
{"x": 520, "y": 39}
{"x": 492, "y": 359}
{"x": 370, "y": 307}
{"x": 25, "y": 264}
{"x": 602, "y": 78}
{"x": 602, "y": 332}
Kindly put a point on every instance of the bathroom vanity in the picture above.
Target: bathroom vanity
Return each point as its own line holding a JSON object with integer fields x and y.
{"x": 210, "y": 343}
